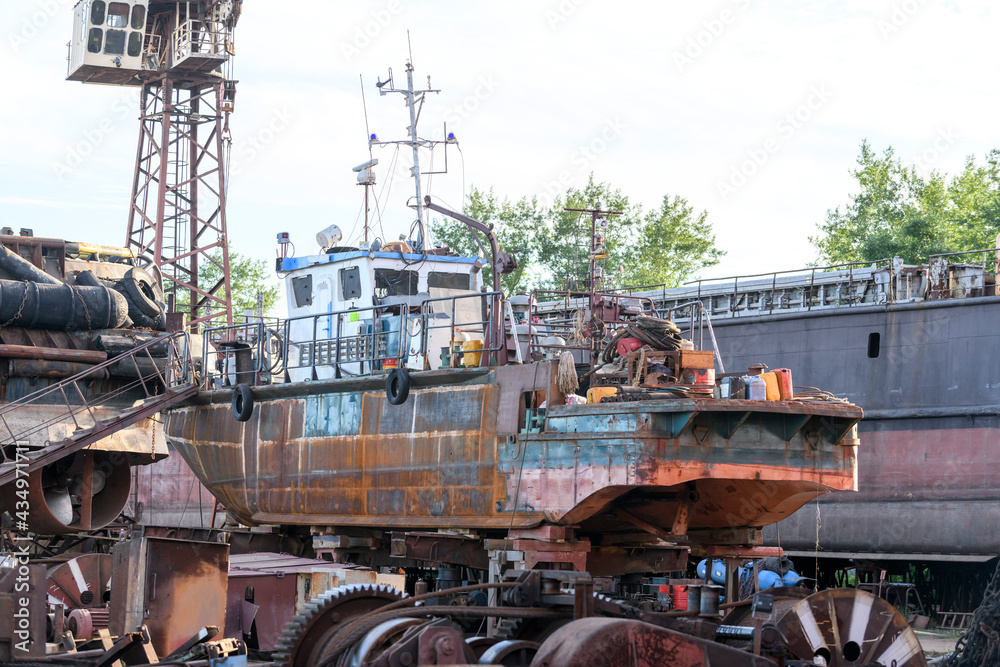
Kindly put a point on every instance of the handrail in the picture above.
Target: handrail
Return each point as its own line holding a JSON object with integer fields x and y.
{"x": 595, "y": 298}
{"x": 489, "y": 347}
{"x": 177, "y": 371}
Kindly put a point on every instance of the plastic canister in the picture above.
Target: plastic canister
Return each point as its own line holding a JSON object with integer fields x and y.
{"x": 595, "y": 394}
{"x": 784, "y": 383}
{"x": 626, "y": 345}
{"x": 771, "y": 386}
{"x": 471, "y": 356}
{"x": 756, "y": 387}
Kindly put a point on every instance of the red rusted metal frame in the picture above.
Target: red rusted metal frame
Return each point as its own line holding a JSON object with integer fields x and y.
{"x": 592, "y": 302}
{"x": 173, "y": 111}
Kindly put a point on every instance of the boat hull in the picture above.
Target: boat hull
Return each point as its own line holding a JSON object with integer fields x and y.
{"x": 337, "y": 453}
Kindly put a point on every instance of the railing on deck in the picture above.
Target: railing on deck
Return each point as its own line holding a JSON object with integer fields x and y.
{"x": 959, "y": 275}
{"x": 200, "y": 37}
{"x": 567, "y": 327}
{"x": 372, "y": 347}
{"x": 359, "y": 341}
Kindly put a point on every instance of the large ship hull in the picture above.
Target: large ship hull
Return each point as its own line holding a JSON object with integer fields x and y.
{"x": 929, "y": 477}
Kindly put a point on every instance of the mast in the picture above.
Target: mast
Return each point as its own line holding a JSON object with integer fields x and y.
{"x": 414, "y": 142}
{"x": 414, "y": 103}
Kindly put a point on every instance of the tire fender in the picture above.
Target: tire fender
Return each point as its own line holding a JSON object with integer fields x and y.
{"x": 397, "y": 386}
{"x": 242, "y": 402}
{"x": 135, "y": 280}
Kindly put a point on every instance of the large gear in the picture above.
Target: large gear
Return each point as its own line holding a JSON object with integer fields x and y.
{"x": 307, "y": 634}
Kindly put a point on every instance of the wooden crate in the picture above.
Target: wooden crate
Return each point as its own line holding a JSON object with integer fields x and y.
{"x": 697, "y": 359}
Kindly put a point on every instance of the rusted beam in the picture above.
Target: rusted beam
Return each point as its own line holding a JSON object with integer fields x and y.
{"x": 680, "y": 526}
{"x": 52, "y": 354}
{"x": 440, "y": 548}
{"x": 722, "y": 551}
{"x": 645, "y": 525}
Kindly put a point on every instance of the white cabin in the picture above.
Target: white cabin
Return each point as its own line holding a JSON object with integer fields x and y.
{"x": 371, "y": 302}
{"x": 107, "y": 41}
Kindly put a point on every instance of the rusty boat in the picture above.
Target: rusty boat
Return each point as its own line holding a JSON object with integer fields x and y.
{"x": 400, "y": 394}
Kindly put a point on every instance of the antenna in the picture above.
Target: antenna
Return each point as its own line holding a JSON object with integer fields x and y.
{"x": 372, "y": 161}
{"x": 414, "y": 102}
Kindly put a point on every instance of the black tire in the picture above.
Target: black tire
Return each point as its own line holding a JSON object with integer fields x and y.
{"x": 139, "y": 287}
{"x": 242, "y": 402}
{"x": 397, "y": 386}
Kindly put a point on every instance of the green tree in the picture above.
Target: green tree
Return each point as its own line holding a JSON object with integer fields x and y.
{"x": 514, "y": 224}
{"x": 673, "y": 245}
{"x": 247, "y": 277}
{"x": 666, "y": 245}
{"x": 898, "y": 212}
{"x": 564, "y": 243}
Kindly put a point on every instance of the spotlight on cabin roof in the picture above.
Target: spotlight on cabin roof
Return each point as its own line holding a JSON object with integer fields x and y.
{"x": 329, "y": 237}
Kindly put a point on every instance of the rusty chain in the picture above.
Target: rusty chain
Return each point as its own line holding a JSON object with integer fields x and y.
{"x": 20, "y": 308}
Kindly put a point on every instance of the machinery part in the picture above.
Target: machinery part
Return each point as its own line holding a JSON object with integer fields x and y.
{"x": 847, "y": 626}
{"x": 81, "y": 583}
{"x": 83, "y": 492}
{"x": 85, "y": 623}
{"x": 380, "y": 638}
{"x": 511, "y": 653}
{"x": 397, "y": 386}
{"x": 306, "y": 636}
{"x": 139, "y": 286}
{"x": 242, "y": 402}
{"x": 600, "y": 642}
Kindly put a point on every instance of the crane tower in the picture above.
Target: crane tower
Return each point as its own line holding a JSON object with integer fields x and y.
{"x": 180, "y": 54}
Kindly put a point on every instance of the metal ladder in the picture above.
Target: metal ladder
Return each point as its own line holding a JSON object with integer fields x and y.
{"x": 167, "y": 383}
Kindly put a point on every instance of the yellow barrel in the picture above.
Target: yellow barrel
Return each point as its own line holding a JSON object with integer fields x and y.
{"x": 470, "y": 357}
{"x": 595, "y": 394}
{"x": 773, "y": 390}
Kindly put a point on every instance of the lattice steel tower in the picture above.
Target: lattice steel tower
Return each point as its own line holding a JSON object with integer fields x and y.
{"x": 180, "y": 54}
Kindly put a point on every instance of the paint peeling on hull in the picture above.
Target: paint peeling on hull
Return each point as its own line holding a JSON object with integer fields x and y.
{"x": 445, "y": 459}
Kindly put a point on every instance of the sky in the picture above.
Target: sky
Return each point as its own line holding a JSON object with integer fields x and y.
{"x": 752, "y": 110}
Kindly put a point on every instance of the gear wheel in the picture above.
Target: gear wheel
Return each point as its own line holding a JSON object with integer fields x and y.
{"x": 306, "y": 635}
{"x": 507, "y": 628}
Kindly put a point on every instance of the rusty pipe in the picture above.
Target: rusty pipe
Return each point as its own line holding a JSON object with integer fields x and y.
{"x": 52, "y": 354}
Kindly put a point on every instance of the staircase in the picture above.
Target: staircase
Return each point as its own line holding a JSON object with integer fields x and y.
{"x": 165, "y": 381}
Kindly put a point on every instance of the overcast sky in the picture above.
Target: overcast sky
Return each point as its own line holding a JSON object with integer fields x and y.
{"x": 752, "y": 110}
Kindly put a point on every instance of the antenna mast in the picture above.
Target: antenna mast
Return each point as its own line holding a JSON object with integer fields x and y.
{"x": 415, "y": 102}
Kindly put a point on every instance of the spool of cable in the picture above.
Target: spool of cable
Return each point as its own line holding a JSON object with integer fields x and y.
{"x": 694, "y": 596}
{"x": 709, "y": 604}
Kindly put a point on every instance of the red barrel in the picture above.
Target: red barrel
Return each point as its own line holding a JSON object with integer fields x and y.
{"x": 680, "y": 592}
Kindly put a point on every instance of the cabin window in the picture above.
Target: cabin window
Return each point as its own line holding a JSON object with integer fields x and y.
{"x": 97, "y": 12}
{"x": 395, "y": 283}
{"x": 117, "y": 15}
{"x": 134, "y": 43}
{"x": 350, "y": 283}
{"x": 96, "y": 40}
{"x": 874, "y": 343}
{"x": 448, "y": 280}
{"x": 302, "y": 290}
{"x": 114, "y": 43}
{"x": 138, "y": 18}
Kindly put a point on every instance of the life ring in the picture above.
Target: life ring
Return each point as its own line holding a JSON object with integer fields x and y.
{"x": 397, "y": 386}
{"x": 242, "y": 402}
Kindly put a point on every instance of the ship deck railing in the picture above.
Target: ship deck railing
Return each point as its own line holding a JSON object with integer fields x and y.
{"x": 352, "y": 342}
